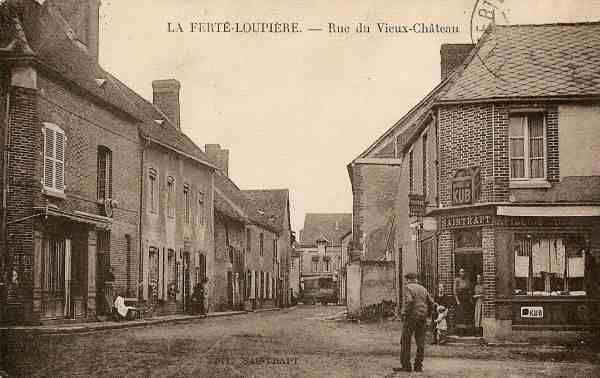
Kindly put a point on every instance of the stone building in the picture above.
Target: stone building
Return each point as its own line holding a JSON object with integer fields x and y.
{"x": 252, "y": 241}
{"x": 320, "y": 246}
{"x": 88, "y": 172}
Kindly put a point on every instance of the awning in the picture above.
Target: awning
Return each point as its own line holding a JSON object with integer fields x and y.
{"x": 549, "y": 211}
{"x": 78, "y": 216}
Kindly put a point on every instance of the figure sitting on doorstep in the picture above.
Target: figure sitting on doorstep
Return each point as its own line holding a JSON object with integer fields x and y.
{"x": 121, "y": 310}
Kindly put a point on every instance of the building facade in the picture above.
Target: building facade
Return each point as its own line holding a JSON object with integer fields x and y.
{"x": 498, "y": 179}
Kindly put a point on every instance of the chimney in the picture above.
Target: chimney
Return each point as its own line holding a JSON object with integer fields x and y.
{"x": 453, "y": 55}
{"x": 166, "y": 98}
{"x": 93, "y": 28}
{"x": 219, "y": 156}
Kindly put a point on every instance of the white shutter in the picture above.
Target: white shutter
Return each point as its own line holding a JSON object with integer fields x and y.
{"x": 59, "y": 171}
{"x": 54, "y": 157}
{"x": 48, "y": 154}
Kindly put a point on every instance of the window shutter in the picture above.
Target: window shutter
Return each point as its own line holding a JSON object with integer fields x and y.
{"x": 48, "y": 161}
{"x": 59, "y": 180}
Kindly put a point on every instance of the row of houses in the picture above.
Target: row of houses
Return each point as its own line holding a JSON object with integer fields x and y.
{"x": 495, "y": 172}
{"x": 103, "y": 193}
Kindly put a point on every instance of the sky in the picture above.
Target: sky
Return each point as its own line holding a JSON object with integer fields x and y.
{"x": 295, "y": 108}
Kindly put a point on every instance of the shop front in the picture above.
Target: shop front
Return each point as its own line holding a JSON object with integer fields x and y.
{"x": 508, "y": 275}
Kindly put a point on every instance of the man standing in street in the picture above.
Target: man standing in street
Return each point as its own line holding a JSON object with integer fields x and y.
{"x": 416, "y": 308}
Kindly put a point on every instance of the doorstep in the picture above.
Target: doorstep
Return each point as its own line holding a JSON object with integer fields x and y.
{"x": 62, "y": 329}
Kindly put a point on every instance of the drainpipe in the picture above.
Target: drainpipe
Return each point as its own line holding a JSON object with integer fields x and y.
{"x": 6, "y": 155}
{"x": 140, "y": 270}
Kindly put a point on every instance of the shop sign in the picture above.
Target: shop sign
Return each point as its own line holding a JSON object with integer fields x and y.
{"x": 465, "y": 221}
{"x": 466, "y": 186}
{"x": 416, "y": 205}
{"x": 528, "y": 221}
{"x": 532, "y": 312}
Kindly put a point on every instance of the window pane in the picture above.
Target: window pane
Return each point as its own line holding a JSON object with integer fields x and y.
{"x": 536, "y": 125}
{"x": 536, "y": 148}
{"x": 517, "y": 147}
{"x": 516, "y": 127}
{"x": 537, "y": 168}
{"x": 517, "y": 168}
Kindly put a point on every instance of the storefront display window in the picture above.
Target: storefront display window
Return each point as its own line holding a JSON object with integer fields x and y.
{"x": 549, "y": 264}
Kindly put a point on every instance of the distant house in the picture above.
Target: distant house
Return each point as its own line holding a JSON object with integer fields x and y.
{"x": 320, "y": 245}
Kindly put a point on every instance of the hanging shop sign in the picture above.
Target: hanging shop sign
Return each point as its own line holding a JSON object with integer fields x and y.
{"x": 466, "y": 186}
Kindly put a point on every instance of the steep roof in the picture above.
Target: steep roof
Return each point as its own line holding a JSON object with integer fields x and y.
{"x": 55, "y": 45}
{"x": 273, "y": 204}
{"x": 546, "y": 60}
{"x": 330, "y": 226}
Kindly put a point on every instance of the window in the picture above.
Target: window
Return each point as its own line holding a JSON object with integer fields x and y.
{"x": 327, "y": 263}
{"x": 172, "y": 269}
{"x": 104, "y": 173}
{"x": 54, "y": 158}
{"x": 410, "y": 172}
{"x": 261, "y": 245}
{"x": 202, "y": 267}
{"x": 425, "y": 184}
{"x": 315, "y": 264}
{"x": 275, "y": 252}
{"x": 153, "y": 190}
{"x": 200, "y": 208}
{"x": 171, "y": 203}
{"x": 527, "y": 146}
{"x": 549, "y": 264}
{"x": 186, "y": 202}
{"x": 249, "y": 240}
{"x": 293, "y": 262}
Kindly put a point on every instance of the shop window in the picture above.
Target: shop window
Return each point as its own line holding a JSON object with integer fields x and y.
{"x": 53, "y": 267}
{"x": 153, "y": 190}
{"x": 549, "y": 264}
{"x": 104, "y": 173}
{"x": 171, "y": 203}
{"x": 527, "y": 146}
{"x": 54, "y": 159}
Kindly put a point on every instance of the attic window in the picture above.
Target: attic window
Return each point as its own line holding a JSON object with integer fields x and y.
{"x": 100, "y": 82}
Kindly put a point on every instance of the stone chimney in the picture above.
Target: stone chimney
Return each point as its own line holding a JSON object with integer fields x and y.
{"x": 166, "y": 98}
{"x": 219, "y": 156}
{"x": 453, "y": 55}
{"x": 93, "y": 28}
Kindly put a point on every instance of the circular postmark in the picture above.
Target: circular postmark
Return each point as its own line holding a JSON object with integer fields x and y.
{"x": 484, "y": 15}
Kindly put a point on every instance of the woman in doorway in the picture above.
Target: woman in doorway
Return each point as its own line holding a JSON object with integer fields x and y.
{"x": 478, "y": 297}
{"x": 462, "y": 288}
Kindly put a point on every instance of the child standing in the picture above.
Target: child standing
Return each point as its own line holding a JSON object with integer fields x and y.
{"x": 441, "y": 326}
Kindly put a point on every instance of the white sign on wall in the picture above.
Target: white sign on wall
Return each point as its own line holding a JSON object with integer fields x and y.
{"x": 532, "y": 312}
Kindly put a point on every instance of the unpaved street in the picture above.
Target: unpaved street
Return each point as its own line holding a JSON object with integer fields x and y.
{"x": 309, "y": 341}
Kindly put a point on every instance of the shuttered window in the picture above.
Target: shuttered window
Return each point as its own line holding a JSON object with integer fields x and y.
{"x": 54, "y": 157}
{"x": 104, "y": 173}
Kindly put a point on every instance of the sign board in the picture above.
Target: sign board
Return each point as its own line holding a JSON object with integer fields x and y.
{"x": 465, "y": 221}
{"x": 466, "y": 186}
{"x": 532, "y": 312}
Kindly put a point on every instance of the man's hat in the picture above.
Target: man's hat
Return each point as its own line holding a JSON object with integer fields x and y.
{"x": 410, "y": 276}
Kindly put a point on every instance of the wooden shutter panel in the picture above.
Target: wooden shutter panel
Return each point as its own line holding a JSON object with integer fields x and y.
{"x": 48, "y": 161}
{"x": 59, "y": 172}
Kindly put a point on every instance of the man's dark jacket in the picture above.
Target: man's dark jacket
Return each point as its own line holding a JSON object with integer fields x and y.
{"x": 417, "y": 302}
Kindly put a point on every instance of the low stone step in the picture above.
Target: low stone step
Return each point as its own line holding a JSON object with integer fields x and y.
{"x": 465, "y": 340}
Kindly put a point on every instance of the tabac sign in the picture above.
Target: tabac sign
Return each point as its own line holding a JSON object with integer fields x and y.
{"x": 466, "y": 186}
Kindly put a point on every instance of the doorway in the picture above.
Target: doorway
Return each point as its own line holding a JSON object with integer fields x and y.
{"x": 468, "y": 255}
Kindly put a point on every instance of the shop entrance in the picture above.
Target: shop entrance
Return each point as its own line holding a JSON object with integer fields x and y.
{"x": 468, "y": 256}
